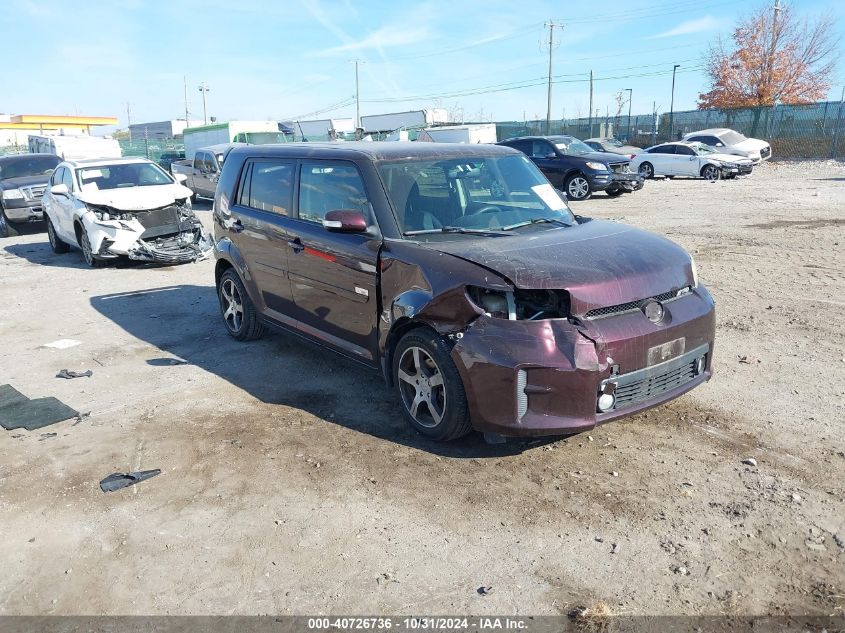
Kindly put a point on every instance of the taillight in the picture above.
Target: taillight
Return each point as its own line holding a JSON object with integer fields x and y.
{"x": 633, "y": 155}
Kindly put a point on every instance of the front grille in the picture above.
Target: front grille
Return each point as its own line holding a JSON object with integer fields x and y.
{"x": 653, "y": 386}
{"x": 620, "y": 168}
{"x": 35, "y": 192}
{"x": 631, "y": 306}
{"x": 160, "y": 222}
{"x": 765, "y": 152}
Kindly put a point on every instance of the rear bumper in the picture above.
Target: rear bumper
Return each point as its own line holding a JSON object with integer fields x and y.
{"x": 533, "y": 378}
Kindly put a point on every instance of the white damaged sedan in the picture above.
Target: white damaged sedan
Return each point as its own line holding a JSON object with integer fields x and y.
{"x": 122, "y": 207}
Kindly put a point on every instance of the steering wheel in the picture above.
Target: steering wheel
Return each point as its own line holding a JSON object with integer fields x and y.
{"x": 488, "y": 208}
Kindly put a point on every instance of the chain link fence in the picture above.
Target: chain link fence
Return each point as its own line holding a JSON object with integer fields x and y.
{"x": 815, "y": 130}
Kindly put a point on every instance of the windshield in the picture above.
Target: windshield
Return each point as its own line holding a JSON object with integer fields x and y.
{"x": 122, "y": 175}
{"x": 701, "y": 149}
{"x": 572, "y": 146}
{"x": 732, "y": 138}
{"x": 478, "y": 193}
{"x": 613, "y": 142}
{"x": 33, "y": 166}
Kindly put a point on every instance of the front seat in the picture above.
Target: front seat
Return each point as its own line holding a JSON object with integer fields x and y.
{"x": 405, "y": 194}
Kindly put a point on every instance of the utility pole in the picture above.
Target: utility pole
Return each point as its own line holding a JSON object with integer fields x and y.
{"x": 357, "y": 94}
{"x": 654, "y": 122}
{"x": 128, "y": 122}
{"x": 838, "y": 124}
{"x": 591, "y": 104}
{"x": 630, "y": 95}
{"x": 204, "y": 90}
{"x": 185, "y": 84}
{"x": 551, "y": 26}
{"x": 672, "y": 105}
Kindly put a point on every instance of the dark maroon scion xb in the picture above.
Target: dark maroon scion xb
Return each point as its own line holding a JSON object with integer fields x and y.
{"x": 462, "y": 275}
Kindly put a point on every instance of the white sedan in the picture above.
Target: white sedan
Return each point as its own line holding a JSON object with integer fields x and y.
{"x": 729, "y": 141}
{"x": 695, "y": 160}
{"x": 126, "y": 207}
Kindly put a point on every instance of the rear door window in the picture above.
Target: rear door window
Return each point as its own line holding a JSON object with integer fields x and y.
{"x": 267, "y": 185}
{"x": 662, "y": 149}
{"x": 328, "y": 185}
{"x": 684, "y": 151}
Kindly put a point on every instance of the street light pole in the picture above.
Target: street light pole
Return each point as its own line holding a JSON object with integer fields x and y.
{"x": 204, "y": 90}
{"x": 551, "y": 26}
{"x": 630, "y": 94}
{"x": 672, "y": 105}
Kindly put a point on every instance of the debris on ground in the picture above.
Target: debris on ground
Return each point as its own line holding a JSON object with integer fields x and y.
{"x": 750, "y": 461}
{"x": 47, "y": 436}
{"x": 63, "y": 343}
{"x": 595, "y": 618}
{"x": 484, "y": 590}
{"x": 17, "y": 411}
{"x": 66, "y": 373}
{"x": 116, "y": 481}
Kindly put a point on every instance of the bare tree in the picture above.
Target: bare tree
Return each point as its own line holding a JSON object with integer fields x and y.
{"x": 773, "y": 57}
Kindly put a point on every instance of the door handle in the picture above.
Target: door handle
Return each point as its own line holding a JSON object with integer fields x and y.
{"x": 236, "y": 226}
{"x": 296, "y": 244}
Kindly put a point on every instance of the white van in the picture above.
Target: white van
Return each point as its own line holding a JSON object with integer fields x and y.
{"x": 75, "y": 146}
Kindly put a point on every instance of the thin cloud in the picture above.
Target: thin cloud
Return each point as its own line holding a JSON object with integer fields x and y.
{"x": 385, "y": 37}
{"x": 688, "y": 27}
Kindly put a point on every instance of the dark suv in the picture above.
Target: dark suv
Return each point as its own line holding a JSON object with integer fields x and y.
{"x": 576, "y": 168}
{"x": 23, "y": 179}
{"x": 461, "y": 274}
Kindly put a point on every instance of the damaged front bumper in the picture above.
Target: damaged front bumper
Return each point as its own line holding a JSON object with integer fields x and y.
{"x": 545, "y": 377}
{"x": 170, "y": 235}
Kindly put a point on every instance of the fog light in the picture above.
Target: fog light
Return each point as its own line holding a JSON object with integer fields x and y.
{"x": 606, "y": 402}
{"x": 699, "y": 365}
{"x": 653, "y": 311}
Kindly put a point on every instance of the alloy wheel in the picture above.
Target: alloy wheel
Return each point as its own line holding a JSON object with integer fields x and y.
{"x": 87, "y": 251}
{"x": 51, "y": 234}
{"x": 232, "y": 304}
{"x": 578, "y": 188}
{"x": 646, "y": 170}
{"x": 4, "y": 227}
{"x": 421, "y": 386}
{"x": 711, "y": 173}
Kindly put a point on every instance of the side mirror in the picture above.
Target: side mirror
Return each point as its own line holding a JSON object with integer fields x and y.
{"x": 60, "y": 190}
{"x": 181, "y": 178}
{"x": 719, "y": 145}
{"x": 550, "y": 155}
{"x": 345, "y": 221}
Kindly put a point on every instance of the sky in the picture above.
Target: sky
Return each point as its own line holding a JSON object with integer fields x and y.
{"x": 292, "y": 59}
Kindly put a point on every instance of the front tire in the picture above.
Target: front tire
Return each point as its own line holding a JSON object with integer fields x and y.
{"x": 614, "y": 192}
{"x": 710, "y": 173}
{"x": 577, "y": 187}
{"x": 56, "y": 243}
{"x": 87, "y": 251}
{"x": 239, "y": 314}
{"x": 429, "y": 386}
{"x": 6, "y": 228}
{"x": 646, "y": 170}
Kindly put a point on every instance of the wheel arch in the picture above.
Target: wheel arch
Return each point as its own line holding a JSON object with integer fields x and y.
{"x": 399, "y": 329}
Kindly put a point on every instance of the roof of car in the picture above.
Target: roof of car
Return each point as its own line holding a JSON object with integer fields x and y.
{"x": 96, "y": 162}
{"x": 550, "y": 137}
{"x": 714, "y": 131}
{"x": 599, "y": 140}
{"x": 14, "y": 157}
{"x": 381, "y": 150}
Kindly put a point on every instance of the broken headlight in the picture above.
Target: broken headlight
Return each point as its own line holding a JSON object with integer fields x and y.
{"x": 107, "y": 213}
{"x": 521, "y": 304}
{"x": 694, "y": 272}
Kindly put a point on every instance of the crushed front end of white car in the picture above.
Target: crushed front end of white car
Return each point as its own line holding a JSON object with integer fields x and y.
{"x": 170, "y": 234}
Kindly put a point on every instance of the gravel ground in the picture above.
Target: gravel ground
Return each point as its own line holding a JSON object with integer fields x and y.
{"x": 290, "y": 483}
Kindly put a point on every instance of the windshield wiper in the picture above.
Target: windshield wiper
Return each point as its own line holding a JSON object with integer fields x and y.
{"x": 455, "y": 229}
{"x": 536, "y": 221}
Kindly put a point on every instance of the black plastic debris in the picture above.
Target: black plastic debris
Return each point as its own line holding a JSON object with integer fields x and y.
{"x": 116, "y": 481}
{"x": 19, "y": 412}
{"x": 66, "y": 373}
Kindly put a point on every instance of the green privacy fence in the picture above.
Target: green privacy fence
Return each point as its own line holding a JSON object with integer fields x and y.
{"x": 152, "y": 149}
{"x": 815, "y": 130}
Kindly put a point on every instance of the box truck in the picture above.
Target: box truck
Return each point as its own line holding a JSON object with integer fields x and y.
{"x": 255, "y": 132}
{"x": 377, "y": 123}
{"x": 74, "y": 146}
{"x": 471, "y": 133}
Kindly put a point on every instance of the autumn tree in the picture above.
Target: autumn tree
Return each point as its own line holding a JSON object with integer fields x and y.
{"x": 773, "y": 57}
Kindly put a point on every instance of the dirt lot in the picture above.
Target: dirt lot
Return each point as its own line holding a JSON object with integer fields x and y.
{"x": 291, "y": 484}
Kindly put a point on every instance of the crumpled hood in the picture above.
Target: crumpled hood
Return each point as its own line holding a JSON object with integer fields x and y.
{"x": 136, "y": 198}
{"x": 751, "y": 145}
{"x": 600, "y": 263}
{"x": 729, "y": 158}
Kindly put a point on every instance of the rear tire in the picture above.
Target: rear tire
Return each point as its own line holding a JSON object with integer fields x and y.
{"x": 646, "y": 170}
{"x": 56, "y": 243}
{"x": 239, "y": 314}
{"x": 6, "y": 227}
{"x": 429, "y": 386}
